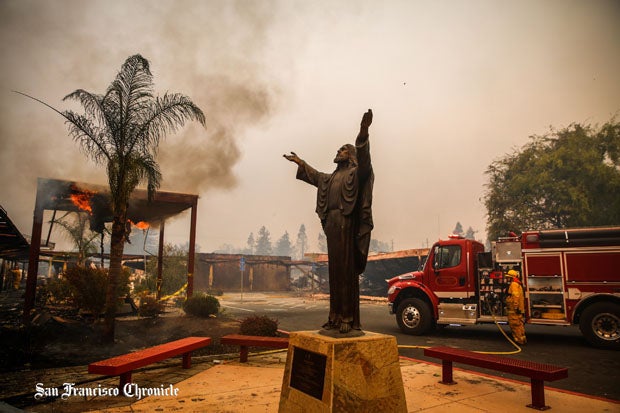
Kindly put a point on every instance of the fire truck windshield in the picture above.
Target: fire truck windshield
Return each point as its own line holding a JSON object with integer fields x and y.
{"x": 446, "y": 256}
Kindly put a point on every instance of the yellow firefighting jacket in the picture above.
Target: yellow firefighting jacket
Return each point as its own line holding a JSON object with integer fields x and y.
{"x": 515, "y": 300}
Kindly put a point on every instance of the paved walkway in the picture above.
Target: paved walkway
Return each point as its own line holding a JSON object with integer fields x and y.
{"x": 227, "y": 386}
{"x": 230, "y": 386}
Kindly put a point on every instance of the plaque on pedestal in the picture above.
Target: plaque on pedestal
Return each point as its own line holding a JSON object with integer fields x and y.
{"x": 326, "y": 374}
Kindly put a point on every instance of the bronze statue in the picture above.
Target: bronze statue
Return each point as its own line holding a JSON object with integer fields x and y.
{"x": 344, "y": 201}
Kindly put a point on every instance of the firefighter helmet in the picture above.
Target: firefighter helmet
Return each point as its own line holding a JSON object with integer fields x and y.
{"x": 513, "y": 273}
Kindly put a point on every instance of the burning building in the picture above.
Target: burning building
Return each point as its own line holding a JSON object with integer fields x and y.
{"x": 60, "y": 195}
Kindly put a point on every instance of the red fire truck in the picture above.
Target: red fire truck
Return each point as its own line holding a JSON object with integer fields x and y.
{"x": 570, "y": 276}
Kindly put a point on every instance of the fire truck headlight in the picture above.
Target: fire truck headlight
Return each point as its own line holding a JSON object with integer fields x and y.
{"x": 391, "y": 290}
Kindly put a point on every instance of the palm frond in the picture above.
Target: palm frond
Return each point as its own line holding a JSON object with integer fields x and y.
{"x": 165, "y": 115}
{"x": 127, "y": 172}
{"x": 77, "y": 230}
{"x": 133, "y": 87}
{"x": 92, "y": 104}
{"x": 91, "y": 138}
{"x": 152, "y": 174}
{"x": 40, "y": 101}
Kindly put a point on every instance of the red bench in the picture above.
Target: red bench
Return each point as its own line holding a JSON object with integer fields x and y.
{"x": 125, "y": 364}
{"x": 253, "y": 341}
{"x": 537, "y": 372}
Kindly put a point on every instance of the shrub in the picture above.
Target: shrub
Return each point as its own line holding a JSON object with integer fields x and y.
{"x": 201, "y": 305}
{"x": 88, "y": 287}
{"x": 60, "y": 290}
{"x": 259, "y": 326}
{"x": 149, "y": 306}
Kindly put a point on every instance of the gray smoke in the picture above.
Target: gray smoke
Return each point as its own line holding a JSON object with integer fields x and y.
{"x": 209, "y": 51}
{"x": 191, "y": 164}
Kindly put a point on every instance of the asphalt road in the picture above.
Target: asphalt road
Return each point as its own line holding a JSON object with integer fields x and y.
{"x": 591, "y": 371}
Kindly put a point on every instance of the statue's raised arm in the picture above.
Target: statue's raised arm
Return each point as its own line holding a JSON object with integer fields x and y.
{"x": 362, "y": 137}
{"x": 366, "y": 121}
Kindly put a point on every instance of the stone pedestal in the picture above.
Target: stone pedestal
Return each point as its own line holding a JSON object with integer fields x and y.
{"x": 358, "y": 374}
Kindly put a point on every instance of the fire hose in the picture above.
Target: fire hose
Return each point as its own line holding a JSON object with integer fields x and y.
{"x": 505, "y": 353}
{"x": 518, "y": 349}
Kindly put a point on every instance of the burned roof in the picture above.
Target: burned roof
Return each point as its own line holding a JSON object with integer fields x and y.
{"x": 13, "y": 245}
{"x": 61, "y": 195}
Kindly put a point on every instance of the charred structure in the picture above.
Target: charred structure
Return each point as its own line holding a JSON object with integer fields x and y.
{"x": 60, "y": 195}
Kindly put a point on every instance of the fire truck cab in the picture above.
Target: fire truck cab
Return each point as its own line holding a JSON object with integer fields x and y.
{"x": 569, "y": 276}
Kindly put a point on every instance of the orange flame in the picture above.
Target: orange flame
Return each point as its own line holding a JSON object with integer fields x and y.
{"x": 81, "y": 198}
{"x": 140, "y": 225}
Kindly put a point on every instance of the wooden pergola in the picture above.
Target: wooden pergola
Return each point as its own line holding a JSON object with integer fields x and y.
{"x": 13, "y": 245}
{"x": 60, "y": 195}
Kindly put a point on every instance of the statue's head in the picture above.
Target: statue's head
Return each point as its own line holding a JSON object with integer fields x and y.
{"x": 346, "y": 153}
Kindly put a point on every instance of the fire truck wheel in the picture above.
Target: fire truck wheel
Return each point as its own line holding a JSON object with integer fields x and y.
{"x": 414, "y": 316}
{"x": 600, "y": 325}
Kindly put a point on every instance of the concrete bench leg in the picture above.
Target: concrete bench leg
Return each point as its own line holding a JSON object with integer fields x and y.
{"x": 125, "y": 378}
{"x": 538, "y": 395}
{"x": 243, "y": 354}
{"x": 187, "y": 360}
{"x": 446, "y": 372}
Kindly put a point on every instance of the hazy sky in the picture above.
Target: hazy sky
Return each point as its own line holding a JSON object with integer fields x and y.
{"x": 453, "y": 85}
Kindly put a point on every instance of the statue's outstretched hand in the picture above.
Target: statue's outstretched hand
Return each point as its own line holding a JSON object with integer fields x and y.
{"x": 366, "y": 119}
{"x": 293, "y": 158}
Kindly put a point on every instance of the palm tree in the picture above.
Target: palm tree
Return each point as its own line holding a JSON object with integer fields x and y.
{"x": 121, "y": 130}
{"x": 77, "y": 229}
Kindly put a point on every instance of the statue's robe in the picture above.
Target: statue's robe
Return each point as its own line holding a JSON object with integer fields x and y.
{"x": 344, "y": 206}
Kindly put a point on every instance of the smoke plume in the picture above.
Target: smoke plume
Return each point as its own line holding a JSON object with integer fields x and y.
{"x": 209, "y": 51}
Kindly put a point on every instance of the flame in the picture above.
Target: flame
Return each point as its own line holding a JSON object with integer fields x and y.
{"x": 81, "y": 198}
{"x": 141, "y": 224}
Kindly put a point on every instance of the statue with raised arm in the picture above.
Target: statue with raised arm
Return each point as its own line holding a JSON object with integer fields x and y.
{"x": 344, "y": 206}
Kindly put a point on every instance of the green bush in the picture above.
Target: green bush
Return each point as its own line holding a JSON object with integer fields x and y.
{"x": 174, "y": 271}
{"x": 259, "y": 326}
{"x": 201, "y": 305}
{"x": 88, "y": 287}
{"x": 149, "y": 306}
{"x": 60, "y": 290}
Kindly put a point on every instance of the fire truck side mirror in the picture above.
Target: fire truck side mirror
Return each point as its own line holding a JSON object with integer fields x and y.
{"x": 435, "y": 260}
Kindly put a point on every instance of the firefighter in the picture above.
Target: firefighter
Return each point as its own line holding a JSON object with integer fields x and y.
{"x": 516, "y": 307}
{"x": 17, "y": 277}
